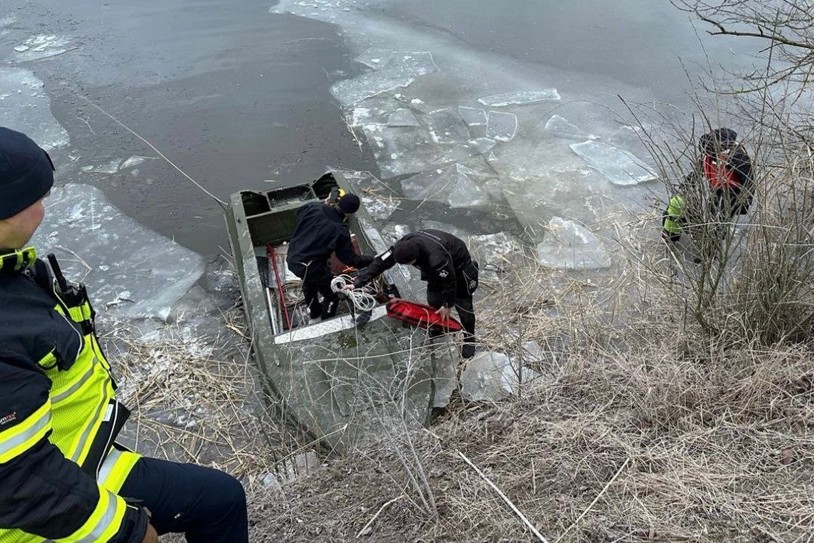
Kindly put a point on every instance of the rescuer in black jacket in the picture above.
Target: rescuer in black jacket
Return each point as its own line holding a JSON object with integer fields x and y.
{"x": 62, "y": 475}
{"x": 321, "y": 231}
{"x": 446, "y": 266}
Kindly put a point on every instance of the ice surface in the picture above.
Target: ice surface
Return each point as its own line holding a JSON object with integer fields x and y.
{"x": 25, "y": 106}
{"x": 491, "y": 376}
{"x": 375, "y": 57}
{"x": 568, "y": 245}
{"x": 400, "y": 71}
{"x": 619, "y": 166}
{"x": 453, "y": 185}
{"x": 447, "y": 127}
{"x": 133, "y": 161}
{"x": 502, "y": 126}
{"x": 130, "y": 271}
{"x": 497, "y": 251}
{"x": 562, "y": 128}
{"x": 482, "y": 145}
{"x": 473, "y": 116}
{"x": 520, "y": 98}
{"x": 402, "y": 117}
{"x": 42, "y": 46}
{"x": 378, "y": 199}
{"x": 109, "y": 167}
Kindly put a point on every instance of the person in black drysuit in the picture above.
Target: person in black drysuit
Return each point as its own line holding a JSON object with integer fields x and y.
{"x": 446, "y": 266}
{"x": 321, "y": 230}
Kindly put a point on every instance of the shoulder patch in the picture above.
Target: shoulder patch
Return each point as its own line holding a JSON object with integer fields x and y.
{"x": 443, "y": 274}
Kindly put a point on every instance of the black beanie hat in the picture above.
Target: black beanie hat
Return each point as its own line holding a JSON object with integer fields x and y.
{"x": 26, "y": 172}
{"x": 720, "y": 139}
{"x": 405, "y": 251}
{"x": 348, "y": 204}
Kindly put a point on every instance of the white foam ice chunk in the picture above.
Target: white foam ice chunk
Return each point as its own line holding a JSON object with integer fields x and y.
{"x": 24, "y": 105}
{"x": 492, "y": 376}
{"x": 568, "y": 245}
{"x": 482, "y": 145}
{"x": 107, "y": 168}
{"x": 352, "y": 91}
{"x": 400, "y": 71}
{"x": 446, "y": 126}
{"x": 402, "y": 117}
{"x": 117, "y": 254}
{"x": 375, "y": 57}
{"x": 473, "y": 116}
{"x": 133, "y": 161}
{"x": 413, "y": 148}
{"x": 520, "y": 98}
{"x": 43, "y": 46}
{"x": 502, "y": 126}
{"x": 452, "y": 185}
{"x": 499, "y": 249}
{"x": 445, "y": 371}
{"x": 562, "y": 128}
{"x": 618, "y": 165}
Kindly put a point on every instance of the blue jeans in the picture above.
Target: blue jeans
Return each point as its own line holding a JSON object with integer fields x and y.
{"x": 207, "y": 505}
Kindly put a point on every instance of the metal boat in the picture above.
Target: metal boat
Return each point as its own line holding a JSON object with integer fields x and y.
{"x": 338, "y": 382}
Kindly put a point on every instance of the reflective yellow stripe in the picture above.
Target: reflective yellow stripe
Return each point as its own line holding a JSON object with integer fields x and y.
{"x": 115, "y": 469}
{"x": 25, "y": 435}
{"x": 80, "y": 446}
{"x": 80, "y": 313}
{"x": 65, "y": 393}
{"x": 103, "y": 523}
{"x": 48, "y": 361}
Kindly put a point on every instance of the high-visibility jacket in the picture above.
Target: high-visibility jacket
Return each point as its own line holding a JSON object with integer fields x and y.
{"x": 673, "y": 215}
{"x": 59, "y": 468}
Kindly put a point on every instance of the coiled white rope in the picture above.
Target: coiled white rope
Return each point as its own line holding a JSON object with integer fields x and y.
{"x": 362, "y": 299}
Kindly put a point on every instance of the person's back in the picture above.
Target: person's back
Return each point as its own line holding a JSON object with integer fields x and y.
{"x": 318, "y": 231}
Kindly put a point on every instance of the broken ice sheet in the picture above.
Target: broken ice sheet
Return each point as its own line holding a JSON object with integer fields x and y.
{"x": 400, "y": 71}
{"x": 375, "y": 57}
{"x": 473, "y": 116}
{"x": 520, "y": 98}
{"x": 379, "y": 200}
{"x": 43, "y": 46}
{"x": 562, "y": 128}
{"x": 453, "y": 185}
{"x": 24, "y": 103}
{"x": 402, "y": 117}
{"x": 568, "y": 245}
{"x": 619, "y": 166}
{"x": 113, "y": 254}
{"x": 110, "y": 167}
{"x": 492, "y": 376}
{"x": 482, "y": 145}
{"x": 502, "y": 126}
{"x": 445, "y": 126}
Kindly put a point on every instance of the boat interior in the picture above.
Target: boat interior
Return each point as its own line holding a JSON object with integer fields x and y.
{"x": 271, "y": 218}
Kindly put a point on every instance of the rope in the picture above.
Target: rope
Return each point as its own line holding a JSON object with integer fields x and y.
{"x": 361, "y": 298}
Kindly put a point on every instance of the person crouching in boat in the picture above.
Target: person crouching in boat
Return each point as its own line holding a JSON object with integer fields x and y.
{"x": 321, "y": 231}
{"x": 446, "y": 266}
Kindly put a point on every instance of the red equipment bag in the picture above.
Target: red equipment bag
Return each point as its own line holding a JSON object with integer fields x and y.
{"x": 421, "y": 315}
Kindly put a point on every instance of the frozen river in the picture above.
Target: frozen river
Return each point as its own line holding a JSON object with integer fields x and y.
{"x": 485, "y": 118}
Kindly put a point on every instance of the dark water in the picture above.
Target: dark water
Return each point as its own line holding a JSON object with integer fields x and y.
{"x": 230, "y": 93}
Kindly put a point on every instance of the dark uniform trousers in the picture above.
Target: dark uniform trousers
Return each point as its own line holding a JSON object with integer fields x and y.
{"x": 466, "y": 282}
{"x": 207, "y": 505}
{"x": 316, "y": 279}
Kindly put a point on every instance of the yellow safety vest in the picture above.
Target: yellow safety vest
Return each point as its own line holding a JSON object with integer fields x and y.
{"x": 80, "y": 402}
